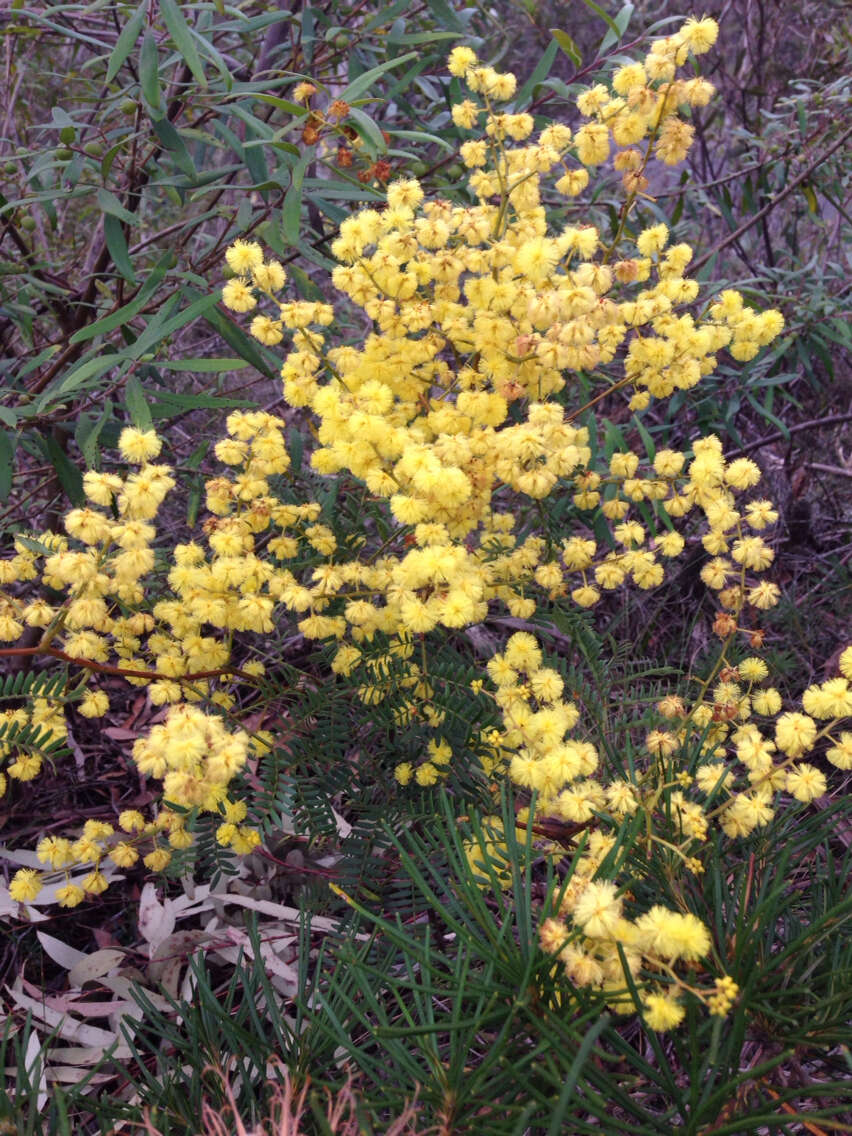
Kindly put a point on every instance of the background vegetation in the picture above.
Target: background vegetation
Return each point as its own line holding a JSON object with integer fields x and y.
{"x": 137, "y": 142}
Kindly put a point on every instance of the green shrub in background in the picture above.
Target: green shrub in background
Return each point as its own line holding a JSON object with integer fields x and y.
{"x": 138, "y": 141}
{"x": 435, "y": 989}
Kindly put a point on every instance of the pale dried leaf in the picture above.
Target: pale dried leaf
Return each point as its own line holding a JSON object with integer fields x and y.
{"x": 188, "y": 986}
{"x": 278, "y": 911}
{"x": 60, "y": 952}
{"x": 21, "y": 856}
{"x": 65, "y": 1026}
{"x": 85, "y": 1055}
{"x": 344, "y": 828}
{"x": 70, "y": 1074}
{"x": 170, "y": 957}
{"x": 34, "y": 1062}
{"x": 95, "y": 966}
{"x": 123, "y": 986}
{"x": 156, "y": 919}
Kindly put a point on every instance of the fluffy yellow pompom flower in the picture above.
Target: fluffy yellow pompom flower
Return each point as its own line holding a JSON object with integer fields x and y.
{"x": 25, "y": 885}
{"x": 598, "y": 910}
{"x": 158, "y": 859}
{"x": 124, "y": 855}
{"x": 404, "y": 772}
{"x": 806, "y": 782}
{"x": 672, "y": 936}
{"x": 244, "y": 256}
{"x": 460, "y": 60}
{"x": 129, "y": 820}
{"x": 840, "y": 754}
{"x": 662, "y": 1011}
{"x": 653, "y": 240}
{"x": 271, "y": 277}
{"x": 138, "y": 445}
{"x": 795, "y": 733}
{"x": 70, "y": 895}
{"x": 267, "y": 330}
{"x": 95, "y": 704}
{"x": 238, "y": 296}
{"x": 55, "y": 851}
{"x": 523, "y": 652}
{"x": 95, "y": 883}
{"x": 699, "y": 35}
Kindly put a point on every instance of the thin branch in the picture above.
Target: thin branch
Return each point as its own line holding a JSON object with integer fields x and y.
{"x": 835, "y": 470}
{"x": 732, "y": 238}
{"x": 781, "y": 436}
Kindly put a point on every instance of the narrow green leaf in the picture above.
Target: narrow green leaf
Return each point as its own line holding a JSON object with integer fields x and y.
{"x": 445, "y": 17}
{"x": 616, "y": 33}
{"x": 69, "y": 476}
{"x": 539, "y": 74}
{"x": 61, "y": 117}
{"x": 764, "y": 412}
{"x": 110, "y": 204}
{"x": 180, "y": 33}
{"x": 116, "y": 242}
{"x": 558, "y": 1117}
{"x": 8, "y": 416}
{"x": 94, "y": 367}
{"x": 89, "y": 431}
{"x": 308, "y": 35}
{"x": 126, "y": 313}
{"x": 607, "y": 19}
{"x": 124, "y": 44}
{"x": 568, "y": 46}
{"x": 424, "y": 139}
{"x": 297, "y": 449}
{"x": 358, "y": 86}
{"x": 422, "y": 37}
{"x": 291, "y": 211}
{"x": 304, "y": 285}
{"x": 237, "y": 339}
{"x": 149, "y": 75}
{"x": 109, "y": 157}
{"x": 282, "y": 104}
{"x": 7, "y": 456}
{"x": 193, "y": 504}
{"x": 167, "y": 404}
{"x": 137, "y": 404}
{"x": 648, "y": 441}
{"x": 158, "y": 329}
{"x": 370, "y": 132}
{"x": 173, "y": 142}
{"x": 204, "y": 366}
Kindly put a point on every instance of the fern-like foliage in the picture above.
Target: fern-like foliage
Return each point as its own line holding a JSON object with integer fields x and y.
{"x": 28, "y": 685}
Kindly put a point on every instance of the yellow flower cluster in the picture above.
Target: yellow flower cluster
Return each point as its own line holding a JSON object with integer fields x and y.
{"x": 736, "y": 764}
{"x": 446, "y": 411}
{"x": 103, "y": 576}
{"x": 97, "y": 842}
{"x": 196, "y": 758}
{"x": 452, "y": 417}
{"x": 593, "y": 939}
{"x": 42, "y": 724}
{"x": 737, "y": 768}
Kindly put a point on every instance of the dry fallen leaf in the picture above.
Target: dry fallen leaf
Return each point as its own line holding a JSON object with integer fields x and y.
{"x": 156, "y": 919}
{"x": 60, "y": 952}
{"x": 95, "y": 965}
